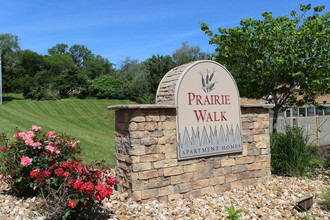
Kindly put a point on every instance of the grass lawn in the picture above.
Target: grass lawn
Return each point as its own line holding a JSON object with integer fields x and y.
{"x": 87, "y": 120}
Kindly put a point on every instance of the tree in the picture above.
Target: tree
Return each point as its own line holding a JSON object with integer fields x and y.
{"x": 80, "y": 54}
{"x": 186, "y": 54}
{"x": 8, "y": 43}
{"x": 157, "y": 66}
{"x": 58, "y": 49}
{"x": 285, "y": 59}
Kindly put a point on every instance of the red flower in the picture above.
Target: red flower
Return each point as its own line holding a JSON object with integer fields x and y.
{"x": 71, "y": 203}
{"x": 59, "y": 171}
{"x": 111, "y": 181}
{"x": 89, "y": 186}
{"x": 64, "y": 164}
{"x": 34, "y": 173}
{"x": 46, "y": 173}
{"x": 3, "y": 148}
{"x": 77, "y": 184}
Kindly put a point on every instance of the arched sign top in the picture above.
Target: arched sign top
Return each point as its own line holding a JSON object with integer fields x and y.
{"x": 206, "y": 71}
{"x": 208, "y": 113}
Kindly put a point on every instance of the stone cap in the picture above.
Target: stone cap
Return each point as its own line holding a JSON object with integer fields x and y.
{"x": 145, "y": 106}
{"x": 166, "y": 106}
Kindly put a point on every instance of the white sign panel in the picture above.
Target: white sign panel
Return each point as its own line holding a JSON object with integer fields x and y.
{"x": 208, "y": 115}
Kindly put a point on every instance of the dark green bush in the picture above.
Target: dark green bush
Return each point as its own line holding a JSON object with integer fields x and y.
{"x": 290, "y": 153}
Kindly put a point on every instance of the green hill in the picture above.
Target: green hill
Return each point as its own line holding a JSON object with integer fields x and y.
{"x": 86, "y": 120}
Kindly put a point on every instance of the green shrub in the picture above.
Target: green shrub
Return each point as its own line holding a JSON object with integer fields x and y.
{"x": 290, "y": 153}
{"x": 325, "y": 198}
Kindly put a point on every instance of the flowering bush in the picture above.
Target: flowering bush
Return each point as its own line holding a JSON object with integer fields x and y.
{"x": 45, "y": 164}
{"x": 34, "y": 150}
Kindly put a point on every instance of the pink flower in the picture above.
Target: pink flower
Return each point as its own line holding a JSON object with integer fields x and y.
{"x": 57, "y": 151}
{"x": 25, "y": 161}
{"x": 36, "y": 128}
{"x": 29, "y": 141}
{"x": 36, "y": 144}
{"x": 3, "y": 148}
{"x": 50, "y": 148}
{"x": 19, "y": 135}
{"x": 1, "y": 175}
{"x": 31, "y": 134}
{"x": 51, "y": 134}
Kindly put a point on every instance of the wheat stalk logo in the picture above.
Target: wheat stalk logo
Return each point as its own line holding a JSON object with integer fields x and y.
{"x": 208, "y": 81}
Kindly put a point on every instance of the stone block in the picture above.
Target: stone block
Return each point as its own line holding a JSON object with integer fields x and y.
{"x": 222, "y": 188}
{"x": 260, "y": 173}
{"x": 133, "y": 126}
{"x": 204, "y": 170}
{"x": 228, "y": 162}
{"x": 245, "y": 160}
{"x": 172, "y": 171}
{"x": 139, "y": 134}
{"x": 152, "y": 149}
{"x": 190, "y": 168}
{"x": 149, "y": 194}
{"x": 137, "y": 185}
{"x": 207, "y": 191}
{"x": 153, "y": 117}
{"x": 201, "y": 183}
{"x": 222, "y": 171}
{"x": 254, "y": 166}
{"x": 217, "y": 180}
{"x": 151, "y": 157}
{"x": 188, "y": 177}
{"x": 148, "y": 141}
{"x": 230, "y": 177}
{"x": 141, "y": 166}
{"x": 239, "y": 168}
{"x": 183, "y": 188}
{"x": 167, "y": 190}
{"x": 137, "y": 195}
{"x": 137, "y": 150}
{"x": 165, "y": 163}
{"x": 176, "y": 179}
{"x": 138, "y": 118}
{"x": 192, "y": 193}
{"x": 157, "y": 134}
{"x": 148, "y": 174}
{"x": 245, "y": 175}
{"x": 175, "y": 197}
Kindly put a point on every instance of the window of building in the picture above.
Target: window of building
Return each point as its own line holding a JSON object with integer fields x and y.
{"x": 319, "y": 112}
{"x": 302, "y": 112}
{"x": 310, "y": 111}
{"x": 294, "y": 112}
{"x": 288, "y": 113}
{"x": 327, "y": 111}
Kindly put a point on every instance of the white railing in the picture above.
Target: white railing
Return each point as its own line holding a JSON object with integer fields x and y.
{"x": 316, "y": 127}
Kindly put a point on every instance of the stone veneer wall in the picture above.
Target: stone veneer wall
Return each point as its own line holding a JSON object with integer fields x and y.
{"x": 146, "y": 154}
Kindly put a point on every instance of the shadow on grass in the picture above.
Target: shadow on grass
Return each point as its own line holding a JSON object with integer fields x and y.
{"x": 12, "y": 97}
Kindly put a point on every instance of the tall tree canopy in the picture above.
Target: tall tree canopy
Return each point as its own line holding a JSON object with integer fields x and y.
{"x": 8, "y": 44}
{"x": 283, "y": 59}
{"x": 186, "y": 54}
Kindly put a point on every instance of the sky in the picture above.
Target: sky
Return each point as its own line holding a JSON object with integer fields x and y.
{"x": 138, "y": 29}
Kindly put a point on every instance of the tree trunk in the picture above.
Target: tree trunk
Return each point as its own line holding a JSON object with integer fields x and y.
{"x": 275, "y": 116}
